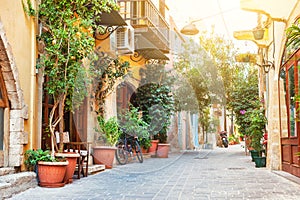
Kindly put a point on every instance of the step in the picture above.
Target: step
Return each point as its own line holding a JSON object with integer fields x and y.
{"x": 6, "y": 170}
{"x": 93, "y": 169}
{"x": 11, "y": 184}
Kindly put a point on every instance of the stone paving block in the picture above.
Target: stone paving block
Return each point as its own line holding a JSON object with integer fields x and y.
{"x": 224, "y": 174}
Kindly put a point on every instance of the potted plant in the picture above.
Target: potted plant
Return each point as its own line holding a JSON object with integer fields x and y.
{"x": 257, "y": 130}
{"x": 108, "y": 135}
{"x": 132, "y": 123}
{"x": 50, "y": 171}
{"x": 67, "y": 43}
{"x": 156, "y": 104}
{"x": 155, "y": 99}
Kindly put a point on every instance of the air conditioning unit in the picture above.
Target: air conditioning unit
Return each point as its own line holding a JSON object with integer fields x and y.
{"x": 125, "y": 40}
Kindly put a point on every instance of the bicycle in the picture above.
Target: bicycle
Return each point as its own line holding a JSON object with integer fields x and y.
{"x": 128, "y": 146}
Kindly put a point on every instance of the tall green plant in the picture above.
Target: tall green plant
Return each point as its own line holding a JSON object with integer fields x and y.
{"x": 257, "y": 127}
{"x": 67, "y": 35}
{"x": 109, "y": 129}
{"x": 244, "y": 99}
{"x": 133, "y": 124}
{"x": 155, "y": 99}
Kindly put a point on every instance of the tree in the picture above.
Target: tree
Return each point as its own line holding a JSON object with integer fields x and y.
{"x": 68, "y": 29}
{"x": 155, "y": 99}
{"x": 195, "y": 91}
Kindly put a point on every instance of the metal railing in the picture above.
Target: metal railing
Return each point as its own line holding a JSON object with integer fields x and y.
{"x": 144, "y": 14}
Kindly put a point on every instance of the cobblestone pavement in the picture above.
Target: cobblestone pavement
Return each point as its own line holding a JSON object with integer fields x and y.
{"x": 222, "y": 173}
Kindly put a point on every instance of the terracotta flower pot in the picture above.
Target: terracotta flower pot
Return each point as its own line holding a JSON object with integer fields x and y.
{"x": 72, "y": 158}
{"x": 104, "y": 155}
{"x": 153, "y": 147}
{"x": 51, "y": 174}
{"x": 163, "y": 150}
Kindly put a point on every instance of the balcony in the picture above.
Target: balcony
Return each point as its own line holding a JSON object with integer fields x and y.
{"x": 147, "y": 21}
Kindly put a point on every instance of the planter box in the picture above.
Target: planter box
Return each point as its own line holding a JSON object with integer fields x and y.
{"x": 253, "y": 153}
{"x": 72, "y": 158}
{"x": 153, "y": 147}
{"x": 104, "y": 155}
{"x": 163, "y": 150}
{"x": 51, "y": 174}
{"x": 260, "y": 161}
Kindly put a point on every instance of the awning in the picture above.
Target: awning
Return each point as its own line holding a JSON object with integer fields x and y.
{"x": 148, "y": 49}
{"x": 111, "y": 19}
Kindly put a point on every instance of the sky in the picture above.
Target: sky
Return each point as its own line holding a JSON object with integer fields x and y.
{"x": 225, "y": 15}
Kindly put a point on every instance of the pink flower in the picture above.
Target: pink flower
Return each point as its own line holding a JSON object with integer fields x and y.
{"x": 242, "y": 112}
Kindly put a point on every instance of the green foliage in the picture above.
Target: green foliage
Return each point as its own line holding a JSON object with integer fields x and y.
{"x": 145, "y": 143}
{"x": 133, "y": 124}
{"x": 67, "y": 34}
{"x": 293, "y": 35}
{"x": 155, "y": 100}
{"x": 244, "y": 99}
{"x": 32, "y": 157}
{"x": 109, "y": 129}
{"x": 233, "y": 138}
{"x": 257, "y": 126}
{"x": 29, "y": 8}
{"x": 107, "y": 71}
{"x": 222, "y": 53}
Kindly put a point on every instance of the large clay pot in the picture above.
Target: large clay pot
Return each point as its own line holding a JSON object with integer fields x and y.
{"x": 163, "y": 150}
{"x": 51, "y": 174}
{"x": 104, "y": 155}
{"x": 72, "y": 158}
{"x": 153, "y": 147}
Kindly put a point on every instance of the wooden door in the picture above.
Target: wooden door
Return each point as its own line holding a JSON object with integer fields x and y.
{"x": 290, "y": 125}
{"x": 78, "y": 123}
{"x": 124, "y": 94}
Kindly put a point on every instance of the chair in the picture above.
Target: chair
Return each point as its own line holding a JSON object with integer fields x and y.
{"x": 83, "y": 148}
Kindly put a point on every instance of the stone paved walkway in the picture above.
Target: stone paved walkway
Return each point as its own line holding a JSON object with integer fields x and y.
{"x": 222, "y": 173}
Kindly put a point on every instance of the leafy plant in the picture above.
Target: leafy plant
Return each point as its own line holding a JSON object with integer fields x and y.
{"x": 67, "y": 34}
{"x": 257, "y": 128}
{"x": 244, "y": 99}
{"x": 133, "y": 124}
{"x": 157, "y": 105}
{"x": 109, "y": 129}
{"x": 32, "y": 157}
{"x": 155, "y": 99}
{"x": 145, "y": 143}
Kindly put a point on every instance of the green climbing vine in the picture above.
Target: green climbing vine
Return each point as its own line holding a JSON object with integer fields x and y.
{"x": 67, "y": 37}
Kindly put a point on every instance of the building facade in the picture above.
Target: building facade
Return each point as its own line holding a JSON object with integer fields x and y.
{"x": 141, "y": 32}
{"x": 280, "y": 84}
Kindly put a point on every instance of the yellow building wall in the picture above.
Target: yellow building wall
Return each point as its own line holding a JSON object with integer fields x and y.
{"x": 20, "y": 33}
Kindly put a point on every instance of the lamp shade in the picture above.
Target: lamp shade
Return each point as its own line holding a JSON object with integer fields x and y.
{"x": 189, "y": 29}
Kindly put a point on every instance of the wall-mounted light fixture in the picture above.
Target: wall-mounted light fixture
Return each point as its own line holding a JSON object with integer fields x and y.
{"x": 266, "y": 65}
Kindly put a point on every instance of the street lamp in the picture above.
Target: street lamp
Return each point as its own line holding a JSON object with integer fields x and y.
{"x": 190, "y": 29}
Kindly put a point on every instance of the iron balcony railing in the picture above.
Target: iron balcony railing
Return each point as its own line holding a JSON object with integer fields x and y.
{"x": 145, "y": 17}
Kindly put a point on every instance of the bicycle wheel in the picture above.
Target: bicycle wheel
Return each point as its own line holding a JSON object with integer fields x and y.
{"x": 138, "y": 151}
{"x": 121, "y": 153}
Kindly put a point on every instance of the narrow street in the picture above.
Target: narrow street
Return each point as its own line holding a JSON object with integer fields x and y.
{"x": 206, "y": 174}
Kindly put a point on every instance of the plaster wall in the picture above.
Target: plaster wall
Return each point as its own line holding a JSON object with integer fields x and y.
{"x": 20, "y": 33}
